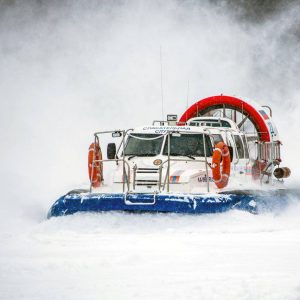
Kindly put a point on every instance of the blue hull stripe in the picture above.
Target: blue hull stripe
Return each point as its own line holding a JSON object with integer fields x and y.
{"x": 174, "y": 203}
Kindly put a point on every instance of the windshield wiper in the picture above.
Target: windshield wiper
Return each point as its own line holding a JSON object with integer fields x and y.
{"x": 186, "y": 155}
{"x": 131, "y": 156}
{"x": 149, "y": 154}
{"x": 139, "y": 155}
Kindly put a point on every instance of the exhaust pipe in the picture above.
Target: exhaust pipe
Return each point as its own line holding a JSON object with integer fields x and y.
{"x": 282, "y": 172}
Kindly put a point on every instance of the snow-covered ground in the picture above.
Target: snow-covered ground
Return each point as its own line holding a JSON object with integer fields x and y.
{"x": 235, "y": 255}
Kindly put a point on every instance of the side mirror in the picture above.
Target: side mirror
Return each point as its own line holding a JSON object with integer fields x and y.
{"x": 230, "y": 148}
{"x": 111, "y": 151}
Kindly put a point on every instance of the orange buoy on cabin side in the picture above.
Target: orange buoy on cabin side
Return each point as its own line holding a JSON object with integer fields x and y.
{"x": 221, "y": 153}
{"x": 96, "y": 168}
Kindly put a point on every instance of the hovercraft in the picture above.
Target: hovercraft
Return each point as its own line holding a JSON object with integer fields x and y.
{"x": 223, "y": 153}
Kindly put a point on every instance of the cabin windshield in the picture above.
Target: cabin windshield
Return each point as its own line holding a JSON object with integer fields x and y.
{"x": 188, "y": 145}
{"x": 139, "y": 144}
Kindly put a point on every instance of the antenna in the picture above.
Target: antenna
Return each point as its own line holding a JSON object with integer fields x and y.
{"x": 187, "y": 94}
{"x": 161, "y": 84}
{"x": 187, "y": 98}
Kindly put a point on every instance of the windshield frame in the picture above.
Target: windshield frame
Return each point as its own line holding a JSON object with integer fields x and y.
{"x": 164, "y": 136}
{"x": 156, "y": 136}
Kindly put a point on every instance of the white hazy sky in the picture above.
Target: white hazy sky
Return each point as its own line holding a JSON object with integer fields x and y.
{"x": 71, "y": 68}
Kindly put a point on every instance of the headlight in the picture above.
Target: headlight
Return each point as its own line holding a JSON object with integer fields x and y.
{"x": 157, "y": 162}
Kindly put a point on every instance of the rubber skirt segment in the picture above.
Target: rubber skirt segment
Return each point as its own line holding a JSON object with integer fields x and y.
{"x": 165, "y": 203}
{"x": 207, "y": 104}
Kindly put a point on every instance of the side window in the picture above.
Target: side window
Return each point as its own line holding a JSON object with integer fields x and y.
{"x": 245, "y": 146}
{"x": 217, "y": 138}
{"x": 225, "y": 124}
{"x": 239, "y": 146}
{"x": 209, "y": 147}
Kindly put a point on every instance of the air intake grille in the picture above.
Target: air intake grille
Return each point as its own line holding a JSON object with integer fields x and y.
{"x": 147, "y": 170}
{"x": 147, "y": 176}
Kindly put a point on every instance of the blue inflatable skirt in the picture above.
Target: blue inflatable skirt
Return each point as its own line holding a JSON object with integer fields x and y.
{"x": 252, "y": 201}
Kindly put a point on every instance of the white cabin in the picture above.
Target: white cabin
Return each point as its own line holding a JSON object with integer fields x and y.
{"x": 171, "y": 156}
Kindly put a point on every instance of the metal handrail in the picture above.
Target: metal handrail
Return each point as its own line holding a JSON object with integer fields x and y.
{"x": 128, "y": 202}
{"x": 272, "y": 152}
{"x": 268, "y": 154}
{"x": 236, "y": 151}
{"x": 269, "y": 108}
{"x": 235, "y": 148}
{"x": 123, "y": 139}
{"x": 96, "y": 141}
{"x": 124, "y": 172}
{"x": 126, "y": 175}
{"x": 205, "y": 154}
{"x": 246, "y": 146}
{"x": 134, "y": 176}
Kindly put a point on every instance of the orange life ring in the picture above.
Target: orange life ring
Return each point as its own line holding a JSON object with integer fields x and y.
{"x": 221, "y": 151}
{"x": 96, "y": 169}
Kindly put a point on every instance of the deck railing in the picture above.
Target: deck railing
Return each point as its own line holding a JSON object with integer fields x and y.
{"x": 163, "y": 183}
